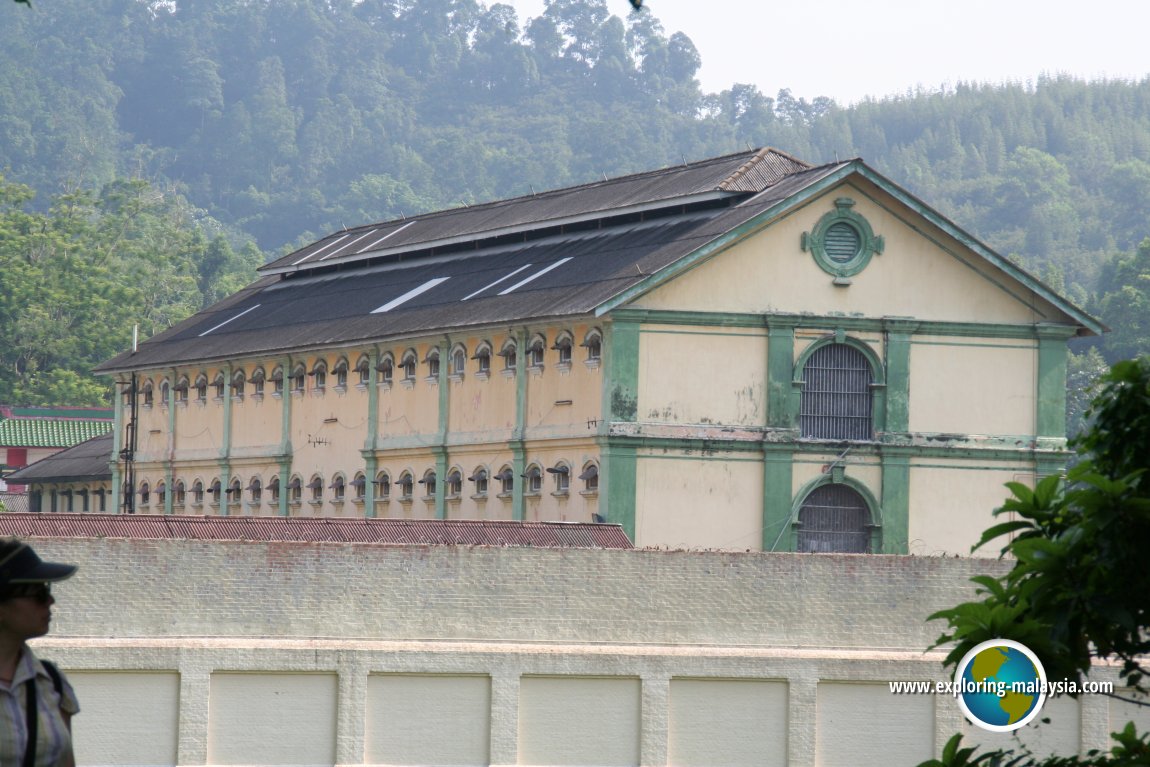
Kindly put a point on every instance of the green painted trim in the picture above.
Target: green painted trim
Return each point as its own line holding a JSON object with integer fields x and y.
{"x": 1050, "y": 420}
{"x": 618, "y": 472}
{"x": 869, "y": 245}
{"x": 782, "y": 405}
{"x": 897, "y": 348}
{"x": 285, "y": 409}
{"x": 225, "y": 482}
{"x": 170, "y": 491}
{"x": 442, "y": 427}
{"x": 518, "y": 468}
{"x": 285, "y": 477}
{"x": 117, "y": 444}
{"x": 699, "y": 456}
{"x": 621, "y": 371}
{"x": 879, "y": 533}
{"x": 371, "y": 440}
{"x": 849, "y": 323}
{"x": 896, "y": 504}
{"x": 1047, "y": 465}
{"x": 440, "y": 479}
{"x": 975, "y": 344}
{"x": 226, "y": 437}
{"x": 969, "y": 241}
{"x": 705, "y": 333}
{"x": 370, "y": 467}
{"x": 778, "y": 481}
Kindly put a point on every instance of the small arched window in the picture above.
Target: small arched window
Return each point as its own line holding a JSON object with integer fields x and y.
{"x": 180, "y": 497}
{"x": 509, "y": 352}
{"x": 408, "y": 365}
{"x": 255, "y": 490}
{"x": 458, "y": 361}
{"x": 214, "y": 492}
{"x": 235, "y": 491}
{"x": 258, "y": 377}
{"x": 454, "y": 487}
{"x": 386, "y": 368}
{"x": 363, "y": 371}
{"x": 278, "y": 380}
{"x": 197, "y": 492}
{"x": 479, "y": 477}
{"x": 834, "y": 518}
{"x": 482, "y": 359}
{"x": 239, "y": 381}
{"x": 360, "y": 485}
{"x": 319, "y": 375}
{"x": 220, "y": 385}
{"x": 340, "y": 372}
{"x": 383, "y": 485}
{"x": 316, "y": 488}
{"x": 274, "y": 489}
{"x": 201, "y": 388}
{"x": 298, "y": 378}
{"x": 145, "y": 494}
{"x": 506, "y": 479}
{"x": 161, "y": 492}
{"x": 165, "y": 392}
{"x": 428, "y": 483}
{"x": 182, "y": 389}
{"x": 295, "y": 489}
{"x": 836, "y": 394}
{"x": 593, "y": 343}
{"x": 146, "y": 393}
{"x": 563, "y": 344}
{"x": 534, "y": 480}
{"x": 562, "y": 474}
{"x": 406, "y": 486}
{"x": 590, "y": 478}
{"x": 535, "y": 352}
{"x": 432, "y": 361}
{"x": 338, "y": 487}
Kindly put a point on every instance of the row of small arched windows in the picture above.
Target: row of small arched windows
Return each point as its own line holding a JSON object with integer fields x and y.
{"x": 405, "y": 365}
{"x": 399, "y": 487}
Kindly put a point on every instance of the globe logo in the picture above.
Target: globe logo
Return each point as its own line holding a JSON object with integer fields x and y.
{"x": 1000, "y": 685}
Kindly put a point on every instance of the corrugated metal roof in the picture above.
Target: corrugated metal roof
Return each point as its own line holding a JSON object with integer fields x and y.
{"x": 391, "y": 531}
{"x": 87, "y": 461}
{"x": 585, "y": 267}
{"x": 750, "y": 171}
{"x": 49, "y": 432}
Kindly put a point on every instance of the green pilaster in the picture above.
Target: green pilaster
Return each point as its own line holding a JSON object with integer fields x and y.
{"x": 226, "y": 443}
{"x": 441, "y": 430}
{"x": 897, "y": 378}
{"x": 1051, "y": 395}
{"x": 778, "y": 473}
{"x": 618, "y": 472}
{"x": 117, "y": 443}
{"x": 621, "y": 371}
{"x": 782, "y": 411}
{"x": 371, "y": 439}
{"x": 169, "y": 478}
{"x": 895, "y": 519}
{"x": 285, "y": 436}
{"x": 518, "y": 435}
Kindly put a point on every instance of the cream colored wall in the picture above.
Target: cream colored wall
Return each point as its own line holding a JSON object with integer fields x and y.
{"x": 561, "y": 399}
{"x": 952, "y": 502}
{"x": 973, "y": 386}
{"x": 688, "y": 501}
{"x": 921, "y": 274}
{"x": 293, "y": 653}
{"x": 702, "y": 375}
{"x": 482, "y": 407}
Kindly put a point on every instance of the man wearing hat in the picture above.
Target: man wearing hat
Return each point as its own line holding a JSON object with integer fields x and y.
{"x": 36, "y": 701}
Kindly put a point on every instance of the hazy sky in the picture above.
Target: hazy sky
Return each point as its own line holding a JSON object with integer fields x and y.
{"x": 851, "y": 49}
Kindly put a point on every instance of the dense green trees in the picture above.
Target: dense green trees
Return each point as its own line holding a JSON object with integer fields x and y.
{"x": 287, "y": 119}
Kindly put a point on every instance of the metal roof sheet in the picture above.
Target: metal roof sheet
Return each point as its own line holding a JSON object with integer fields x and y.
{"x": 389, "y": 531}
{"x": 86, "y": 461}
{"x": 577, "y": 268}
{"x": 749, "y": 171}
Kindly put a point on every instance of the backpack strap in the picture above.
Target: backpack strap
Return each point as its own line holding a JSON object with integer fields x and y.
{"x": 33, "y": 720}
{"x": 57, "y": 679}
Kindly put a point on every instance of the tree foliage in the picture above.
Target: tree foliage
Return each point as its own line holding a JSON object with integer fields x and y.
{"x": 1079, "y": 589}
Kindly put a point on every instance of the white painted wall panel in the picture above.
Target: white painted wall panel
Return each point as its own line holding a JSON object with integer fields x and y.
{"x": 579, "y": 721}
{"x": 865, "y": 724}
{"x": 126, "y": 718}
{"x": 272, "y": 719}
{"x": 1061, "y": 736}
{"x": 428, "y": 720}
{"x": 721, "y": 722}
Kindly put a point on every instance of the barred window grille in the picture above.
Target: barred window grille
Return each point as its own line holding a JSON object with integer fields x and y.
{"x": 834, "y": 519}
{"x": 836, "y": 395}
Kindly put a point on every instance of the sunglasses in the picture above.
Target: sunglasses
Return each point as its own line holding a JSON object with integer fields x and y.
{"x": 38, "y": 592}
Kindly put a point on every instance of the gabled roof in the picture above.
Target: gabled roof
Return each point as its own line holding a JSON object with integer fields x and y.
{"x": 580, "y": 251}
{"x": 51, "y": 427}
{"x": 436, "y": 532}
{"x": 85, "y": 462}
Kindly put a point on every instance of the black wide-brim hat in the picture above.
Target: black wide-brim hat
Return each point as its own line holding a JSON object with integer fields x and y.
{"x": 20, "y": 564}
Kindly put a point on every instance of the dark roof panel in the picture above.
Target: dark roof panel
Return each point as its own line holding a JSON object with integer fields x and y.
{"x": 393, "y": 531}
{"x": 87, "y": 461}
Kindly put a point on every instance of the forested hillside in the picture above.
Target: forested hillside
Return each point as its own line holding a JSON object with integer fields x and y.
{"x": 272, "y": 122}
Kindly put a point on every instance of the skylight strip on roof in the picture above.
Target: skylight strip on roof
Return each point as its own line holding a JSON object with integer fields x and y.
{"x": 321, "y": 250}
{"x": 384, "y": 237}
{"x": 225, "y": 322}
{"x": 357, "y": 239}
{"x": 536, "y": 276}
{"x": 493, "y": 284}
{"x": 410, "y": 295}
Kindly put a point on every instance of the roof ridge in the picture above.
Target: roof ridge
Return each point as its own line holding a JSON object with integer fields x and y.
{"x": 760, "y": 156}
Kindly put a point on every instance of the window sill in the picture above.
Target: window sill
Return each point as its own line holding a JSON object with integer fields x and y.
{"x": 592, "y": 364}
{"x": 237, "y": 398}
{"x": 384, "y": 385}
{"x": 278, "y": 394}
{"x": 482, "y": 375}
{"x": 479, "y": 497}
{"x": 361, "y": 386}
{"x": 589, "y": 493}
{"x": 535, "y": 370}
{"x": 455, "y": 377}
{"x": 408, "y": 383}
{"x": 508, "y": 372}
{"x": 504, "y": 496}
{"x": 315, "y": 503}
{"x": 341, "y": 389}
{"x": 563, "y": 367}
{"x": 431, "y": 380}
{"x": 560, "y": 494}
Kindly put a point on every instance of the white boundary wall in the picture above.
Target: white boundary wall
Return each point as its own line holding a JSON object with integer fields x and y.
{"x": 193, "y": 653}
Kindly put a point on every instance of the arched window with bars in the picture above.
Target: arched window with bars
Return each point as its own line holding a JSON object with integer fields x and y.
{"x": 836, "y": 394}
{"x": 834, "y": 518}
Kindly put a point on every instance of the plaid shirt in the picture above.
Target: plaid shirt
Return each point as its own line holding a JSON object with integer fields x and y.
{"x": 54, "y": 741}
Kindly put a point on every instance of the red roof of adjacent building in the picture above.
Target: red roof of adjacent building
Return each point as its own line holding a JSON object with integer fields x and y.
{"x": 449, "y": 532}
